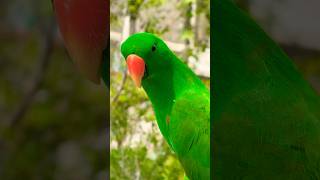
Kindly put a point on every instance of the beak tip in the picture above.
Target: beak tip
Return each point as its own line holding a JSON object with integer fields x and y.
{"x": 137, "y": 81}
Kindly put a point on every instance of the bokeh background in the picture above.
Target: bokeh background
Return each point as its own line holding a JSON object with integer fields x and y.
{"x": 138, "y": 150}
{"x": 53, "y": 121}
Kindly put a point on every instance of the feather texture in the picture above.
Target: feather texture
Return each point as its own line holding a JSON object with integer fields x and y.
{"x": 266, "y": 118}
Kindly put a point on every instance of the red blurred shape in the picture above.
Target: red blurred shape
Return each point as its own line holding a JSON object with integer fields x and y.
{"x": 84, "y": 25}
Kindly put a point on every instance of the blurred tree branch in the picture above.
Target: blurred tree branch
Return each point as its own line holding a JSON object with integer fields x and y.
{"x": 36, "y": 82}
{"x": 124, "y": 79}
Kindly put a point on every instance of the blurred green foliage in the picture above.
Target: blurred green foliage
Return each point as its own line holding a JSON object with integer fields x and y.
{"x": 145, "y": 156}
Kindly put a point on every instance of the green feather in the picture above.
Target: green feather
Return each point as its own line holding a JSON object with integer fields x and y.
{"x": 180, "y": 100}
{"x": 266, "y": 118}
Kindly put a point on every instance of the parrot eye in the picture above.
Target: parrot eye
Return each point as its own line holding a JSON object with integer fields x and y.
{"x": 153, "y": 48}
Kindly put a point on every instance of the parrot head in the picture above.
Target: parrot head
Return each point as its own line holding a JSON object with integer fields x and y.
{"x": 85, "y": 30}
{"x": 146, "y": 56}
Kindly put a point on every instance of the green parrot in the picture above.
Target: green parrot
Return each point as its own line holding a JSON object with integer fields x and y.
{"x": 180, "y": 100}
{"x": 265, "y": 116}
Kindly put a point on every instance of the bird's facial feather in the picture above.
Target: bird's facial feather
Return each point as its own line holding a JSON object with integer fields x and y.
{"x": 140, "y": 44}
{"x": 151, "y": 49}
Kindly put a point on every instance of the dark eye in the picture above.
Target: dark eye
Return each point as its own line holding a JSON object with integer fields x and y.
{"x": 153, "y": 48}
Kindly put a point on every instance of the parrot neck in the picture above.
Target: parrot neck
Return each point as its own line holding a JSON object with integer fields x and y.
{"x": 166, "y": 85}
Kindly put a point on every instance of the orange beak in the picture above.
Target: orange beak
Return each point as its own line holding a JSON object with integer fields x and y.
{"x": 136, "y": 67}
{"x": 84, "y": 26}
